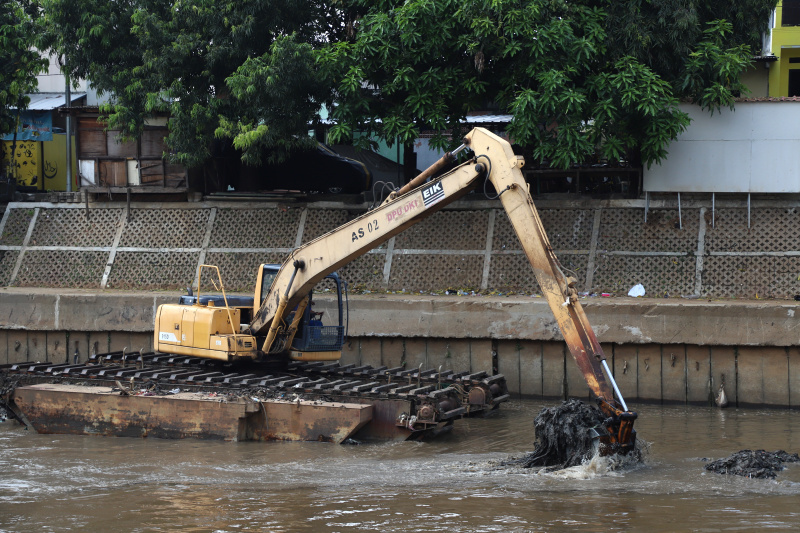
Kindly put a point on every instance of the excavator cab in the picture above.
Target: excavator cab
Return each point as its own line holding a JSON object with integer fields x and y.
{"x": 318, "y": 332}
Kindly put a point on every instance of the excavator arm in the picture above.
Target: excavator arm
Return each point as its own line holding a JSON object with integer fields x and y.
{"x": 308, "y": 264}
{"x": 494, "y": 159}
{"x": 504, "y": 172}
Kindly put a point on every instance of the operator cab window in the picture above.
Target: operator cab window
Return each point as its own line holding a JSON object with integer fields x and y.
{"x": 267, "y": 277}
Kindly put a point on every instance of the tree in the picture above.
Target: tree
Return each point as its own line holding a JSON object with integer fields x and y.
{"x": 227, "y": 72}
{"x": 20, "y": 62}
{"x": 582, "y": 78}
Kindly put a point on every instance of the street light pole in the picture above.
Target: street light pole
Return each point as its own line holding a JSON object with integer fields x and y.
{"x": 69, "y": 127}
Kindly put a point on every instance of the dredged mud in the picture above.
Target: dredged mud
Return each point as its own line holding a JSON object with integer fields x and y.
{"x": 563, "y": 436}
{"x": 758, "y": 464}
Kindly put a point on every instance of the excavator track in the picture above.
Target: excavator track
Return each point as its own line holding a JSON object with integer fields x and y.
{"x": 406, "y": 403}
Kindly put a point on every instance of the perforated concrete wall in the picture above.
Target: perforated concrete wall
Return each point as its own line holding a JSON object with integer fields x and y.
{"x": 608, "y": 249}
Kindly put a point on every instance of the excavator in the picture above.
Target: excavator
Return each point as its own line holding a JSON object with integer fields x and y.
{"x": 266, "y": 327}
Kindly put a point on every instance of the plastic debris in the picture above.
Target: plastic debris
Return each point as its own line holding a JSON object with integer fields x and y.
{"x": 636, "y": 291}
{"x": 722, "y": 398}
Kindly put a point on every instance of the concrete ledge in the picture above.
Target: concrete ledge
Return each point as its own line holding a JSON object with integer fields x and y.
{"x": 79, "y": 310}
{"x": 615, "y": 320}
{"x": 660, "y": 350}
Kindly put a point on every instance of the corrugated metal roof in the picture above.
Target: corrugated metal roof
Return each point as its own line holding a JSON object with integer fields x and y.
{"x": 769, "y": 99}
{"x": 471, "y": 119}
{"x": 48, "y": 101}
{"x": 489, "y": 119}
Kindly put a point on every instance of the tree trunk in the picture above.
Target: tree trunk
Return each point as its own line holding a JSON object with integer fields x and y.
{"x": 409, "y": 163}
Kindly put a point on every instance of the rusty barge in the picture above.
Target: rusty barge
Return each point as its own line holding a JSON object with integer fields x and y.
{"x": 167, "y": 396}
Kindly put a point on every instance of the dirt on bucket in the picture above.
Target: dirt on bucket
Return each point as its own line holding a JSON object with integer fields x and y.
{"x": 563, "y": 435}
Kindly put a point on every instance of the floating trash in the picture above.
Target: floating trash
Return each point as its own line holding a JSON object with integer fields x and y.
{"x": 753, "y": 464}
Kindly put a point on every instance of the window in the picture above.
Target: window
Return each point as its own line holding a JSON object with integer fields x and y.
{"x": 791, "y": 13}
{"x": 794, "y": 82}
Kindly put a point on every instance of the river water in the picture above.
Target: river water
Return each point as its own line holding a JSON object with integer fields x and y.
{"x": 453, "y": 484}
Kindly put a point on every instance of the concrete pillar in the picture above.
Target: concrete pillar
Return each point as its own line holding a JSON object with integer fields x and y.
{"x": 351, "y": 352}
{"x": 576, "y": 383}
{"x": 141, "y": 341}
{"x": 57, "y": 346}
{"x": 626, "y": 369}
{"x": 698, "y": 373}
{"x": 553, "y": 354}
{"x": 4, "y": 347}
{"x": 416, "y": 353}
{"x": 392, "y": 352}
{"x": 508, "y": 363}
{"x": 37, "y": 346}
{"x": 451, "y": 354}
{"x": 762, "y": 376}
{"x": 673, "y": 373}
{"x": 530, "y": 368}
{"x": 481, "y": 355}
{"x": 723, "y": 363}
{"x": 649, "y": 378}
{"x": 17, "y": 347}
{"x": 794, "y": 376}
{"x": 370, "y": 351}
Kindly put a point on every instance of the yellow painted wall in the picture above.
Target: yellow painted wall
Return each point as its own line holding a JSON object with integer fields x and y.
{"x": 42, "y": 161}
{"x": 756, "y": 79}
{"x": 55, "y": 164}
{"x": 785, "y": 45}
{"x": 27, "y": 167}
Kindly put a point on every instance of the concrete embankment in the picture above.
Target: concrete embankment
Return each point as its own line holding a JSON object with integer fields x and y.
{"x": 670, "y": 350}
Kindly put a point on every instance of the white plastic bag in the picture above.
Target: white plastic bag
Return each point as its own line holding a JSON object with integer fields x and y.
{"x": 636, "y": 291}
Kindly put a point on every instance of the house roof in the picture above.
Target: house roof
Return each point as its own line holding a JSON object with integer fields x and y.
{"x": 489, "y": 119}
{"x": 48, "y": 101}
{"x": 769, "y": 99}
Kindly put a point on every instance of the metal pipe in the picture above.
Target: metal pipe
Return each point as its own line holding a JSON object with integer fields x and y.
{"x": 68, "y": 104}
{"x": 614, "y": 384}
{"x": 680, "y": 218}
{"x": 713, "y": 206}
{"x": 428, "y": 172}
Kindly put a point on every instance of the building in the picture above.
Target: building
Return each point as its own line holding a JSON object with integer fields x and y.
{"x": 783, "y": 43}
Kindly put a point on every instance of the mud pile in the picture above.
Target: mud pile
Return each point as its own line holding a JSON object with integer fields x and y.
{"x": 7, "y": 386}
{"x": 753, "y": 464}
{"x": 563, "y": 435}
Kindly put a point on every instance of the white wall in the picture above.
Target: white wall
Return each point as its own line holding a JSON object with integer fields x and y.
{"x": 53, "y": 82}
{"x": 755, "y": 148}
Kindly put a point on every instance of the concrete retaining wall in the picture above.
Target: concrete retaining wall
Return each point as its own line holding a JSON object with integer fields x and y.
{"x": 661, "y": 351}
{"x": 724, "y": 251}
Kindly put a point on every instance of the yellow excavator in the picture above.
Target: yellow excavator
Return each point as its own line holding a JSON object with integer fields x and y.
{"x": 267, "y": 326}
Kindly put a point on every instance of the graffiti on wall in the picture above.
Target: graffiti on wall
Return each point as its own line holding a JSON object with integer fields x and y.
{"x": 25, "y": 163}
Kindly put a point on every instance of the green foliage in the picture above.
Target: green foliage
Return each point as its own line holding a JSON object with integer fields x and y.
{"x": 19, "y": 64}
{"x": 583, "y": 78}
{"x": 288, "y": 75}
{"x": 192, "y": 59}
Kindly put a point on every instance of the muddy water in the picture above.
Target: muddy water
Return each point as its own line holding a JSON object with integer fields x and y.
{"x": 73, "y": 483}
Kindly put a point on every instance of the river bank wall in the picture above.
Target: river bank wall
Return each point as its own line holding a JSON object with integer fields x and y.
{"x": 660, "y": 350}
{"x": 76, "y": 279}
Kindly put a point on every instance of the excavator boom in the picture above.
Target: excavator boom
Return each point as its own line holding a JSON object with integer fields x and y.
{"x": 342, "y": 245}
{"x": 494, "y": 159}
